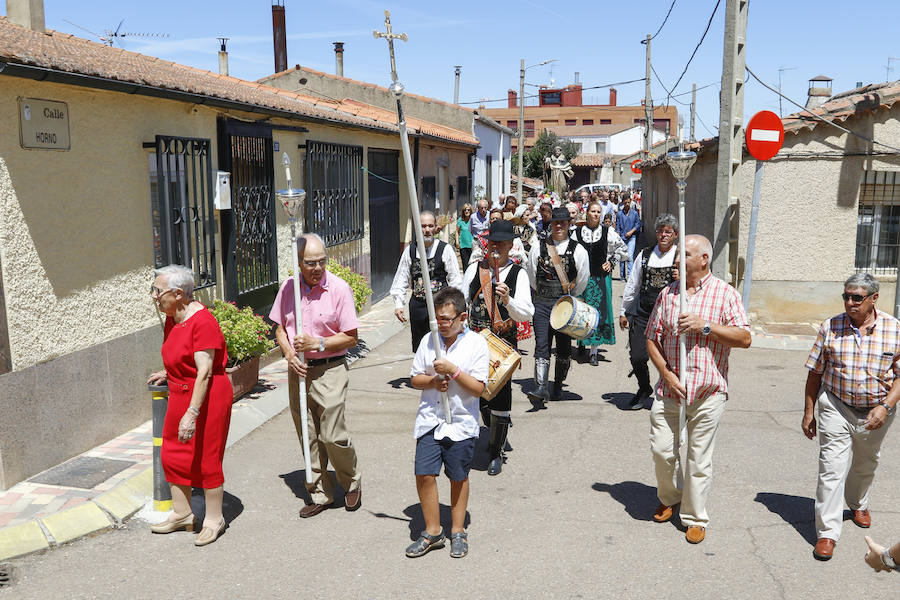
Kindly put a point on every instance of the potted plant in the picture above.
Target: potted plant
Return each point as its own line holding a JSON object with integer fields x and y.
{"x": 246, "y": 336}
{"x": 357, "y": 282}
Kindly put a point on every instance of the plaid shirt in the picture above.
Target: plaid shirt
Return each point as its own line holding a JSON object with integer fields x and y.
{"x": 857, "y": 368}
{"x": 707, "y": 360}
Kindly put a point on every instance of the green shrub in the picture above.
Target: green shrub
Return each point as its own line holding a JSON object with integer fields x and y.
{"x": 357, "y": 283}
{"x": 245, "y": 332}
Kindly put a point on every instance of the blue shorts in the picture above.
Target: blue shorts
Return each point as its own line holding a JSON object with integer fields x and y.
{"x": 455, "y": 456}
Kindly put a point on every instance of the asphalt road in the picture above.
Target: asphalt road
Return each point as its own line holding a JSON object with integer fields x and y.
{"x": 569, "y": 517}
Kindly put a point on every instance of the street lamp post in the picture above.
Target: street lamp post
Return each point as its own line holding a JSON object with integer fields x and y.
{"x": 521, "y": 145}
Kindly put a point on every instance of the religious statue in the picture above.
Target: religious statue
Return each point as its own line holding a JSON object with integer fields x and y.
{"x": 560, "y": 171}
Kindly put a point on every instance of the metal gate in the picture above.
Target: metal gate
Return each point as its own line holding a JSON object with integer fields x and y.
{"x": 334, "y": 192}
{"x": 384, "y": 219}
{"x": 248, "y": 229}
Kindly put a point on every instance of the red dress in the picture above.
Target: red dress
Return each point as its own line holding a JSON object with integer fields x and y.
{"x": 198, "y": 462}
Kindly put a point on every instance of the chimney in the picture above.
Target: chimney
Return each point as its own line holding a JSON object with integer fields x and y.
{"x": 456, "y": 85}
{"x": 859, "y": 84}
{"x": 577, "y": 74}
{"x": 279, "y": 36}
{"x": 512, "y": 99}
{"x": 819, "y": 91}
{"x": 223, "y": 57}
{"x": 27, "y": 13}
{"x": 612, "y": 96}
{"x": 339, "y": 58}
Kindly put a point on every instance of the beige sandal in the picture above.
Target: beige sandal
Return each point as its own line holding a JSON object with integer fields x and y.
{"x": 208, "y": 535}
{"x": 186, "y": 523}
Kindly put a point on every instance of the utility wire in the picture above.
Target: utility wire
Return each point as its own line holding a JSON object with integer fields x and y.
{"x": 670, "y": 94}
{"x": 644, "y": 41}
{"x": 814, "y": 115}
{"x": 593, "y": 87}
{"x": 697, "y": 47}
{"x": 705, "y": 126}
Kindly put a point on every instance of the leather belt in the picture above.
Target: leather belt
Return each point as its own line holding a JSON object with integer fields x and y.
{"x": 318, "y": 362}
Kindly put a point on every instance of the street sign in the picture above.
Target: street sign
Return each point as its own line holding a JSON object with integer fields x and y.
{"x": 765, "y": 135}
{"x": 634, "y": 165}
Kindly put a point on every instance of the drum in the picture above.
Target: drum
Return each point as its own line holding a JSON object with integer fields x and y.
{"x": 574, "y": 317}
{"x": 504, "y": 360}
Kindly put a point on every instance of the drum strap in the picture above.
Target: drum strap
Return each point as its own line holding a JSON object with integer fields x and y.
{"x": 557, "y": 264}
{"x": 498, "y": 325}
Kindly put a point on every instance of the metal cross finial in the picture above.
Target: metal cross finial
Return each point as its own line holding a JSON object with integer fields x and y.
{"x": 390, "y": 36}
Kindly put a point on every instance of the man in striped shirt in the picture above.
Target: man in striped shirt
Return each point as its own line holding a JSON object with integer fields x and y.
{"x": 854, "y": 370}
{"x": 714, "y": 323}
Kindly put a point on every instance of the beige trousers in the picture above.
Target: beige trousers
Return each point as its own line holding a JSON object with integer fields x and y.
{"x": 848, "y": 456}
{"x": 702, "y": 423}
{"x": 326, "y": 391}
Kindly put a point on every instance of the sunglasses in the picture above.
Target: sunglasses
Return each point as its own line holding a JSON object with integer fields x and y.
{"x": 446, "y": 321}
{"x": 155, "y": 292}
{"x": 316, "y": 263}
{"x": 854, "y": 297}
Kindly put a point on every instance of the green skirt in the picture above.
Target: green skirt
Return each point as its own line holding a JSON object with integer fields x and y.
{"x": 598, "y": 294}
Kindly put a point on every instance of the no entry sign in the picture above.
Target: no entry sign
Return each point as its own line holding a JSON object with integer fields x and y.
{"x": 634, "y": 166}
{"x": 765, "y": 135}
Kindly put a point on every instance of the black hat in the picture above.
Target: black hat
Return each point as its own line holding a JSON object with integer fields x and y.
{"x": 561, "y": 214}
{"x": 501, "y": 231}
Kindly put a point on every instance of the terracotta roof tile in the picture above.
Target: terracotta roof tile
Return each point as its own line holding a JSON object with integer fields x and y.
{"x": 68, "y": 53}
{"x": 590, "y": 160}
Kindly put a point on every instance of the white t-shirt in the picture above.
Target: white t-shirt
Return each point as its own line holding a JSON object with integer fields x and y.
{"x": 471, "y": 354}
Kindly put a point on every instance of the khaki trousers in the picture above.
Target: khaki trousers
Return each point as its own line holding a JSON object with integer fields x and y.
{"x": 326, "y": 391}
{"x": 702, "y": 423}
{"x": 848, "y": 456}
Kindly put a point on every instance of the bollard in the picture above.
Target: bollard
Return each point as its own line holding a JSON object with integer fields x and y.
{"x": 162, "y": 493}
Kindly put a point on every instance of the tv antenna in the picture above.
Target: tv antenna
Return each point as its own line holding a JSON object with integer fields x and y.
{"x": 111, "y": 35}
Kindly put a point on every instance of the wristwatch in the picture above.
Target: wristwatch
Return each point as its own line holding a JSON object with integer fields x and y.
{"x": 890, "y": 409}
{"x": 321, "y": 344}
{"x": 706, "y": 329}
{"x": 888, "y": 560}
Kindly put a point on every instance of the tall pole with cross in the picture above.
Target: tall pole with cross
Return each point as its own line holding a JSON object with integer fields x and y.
{"x": 397, "y": 90}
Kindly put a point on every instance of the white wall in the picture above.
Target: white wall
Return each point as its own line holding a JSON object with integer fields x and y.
{"x": 631, "y": 140}
{"x": 496, "y": 144}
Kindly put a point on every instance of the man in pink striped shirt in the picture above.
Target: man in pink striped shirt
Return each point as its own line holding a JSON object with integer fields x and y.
{"x": 714, "y": 323}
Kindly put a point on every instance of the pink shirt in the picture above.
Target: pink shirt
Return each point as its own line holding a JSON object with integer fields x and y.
{"x": 327, "y": 309}
{"x": 707, "y": 360}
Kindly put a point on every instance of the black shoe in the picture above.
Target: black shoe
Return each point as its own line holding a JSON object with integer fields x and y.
{"x": 594, "y": 360}
{"x": 496, "y": 466}
{"x": 637, "y": 401}
{"x": 556, "y": 392}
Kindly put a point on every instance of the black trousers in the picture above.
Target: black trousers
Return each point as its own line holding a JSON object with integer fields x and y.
{"x": 464, "y": 255}
{"x": 636, "y": 340}
{"x": 543, "y": 332}
{"x": 418, "y": 321}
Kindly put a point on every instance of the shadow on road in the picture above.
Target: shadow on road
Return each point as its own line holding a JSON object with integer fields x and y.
{"x": 638, "y": 499}
{"x": 399, "y": 383}
{"x": 296, "y": 481}
{"x": 621, "y": 399}
{"x": 417, "y": 521}
{"x": 797, "y": 511}
{"x": 231, "y": 506}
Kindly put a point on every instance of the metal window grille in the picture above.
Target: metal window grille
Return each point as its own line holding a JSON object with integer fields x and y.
{"x": 334, "y": 197}
{"x": 428, "y": 193}
{"x": 878, "y": 223}
{"x": 181, "y": 206}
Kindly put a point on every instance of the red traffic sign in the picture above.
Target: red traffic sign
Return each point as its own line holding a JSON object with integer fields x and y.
{"x": 764, "y": 135}
{"x": 634, "y": 165}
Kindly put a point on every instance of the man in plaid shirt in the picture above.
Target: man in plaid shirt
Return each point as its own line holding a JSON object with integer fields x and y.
{"x": 854, "y": 370}
{"x": 714, "y": 323}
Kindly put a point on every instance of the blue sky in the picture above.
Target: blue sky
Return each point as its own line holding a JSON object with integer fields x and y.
{"x": 600, "y": 39}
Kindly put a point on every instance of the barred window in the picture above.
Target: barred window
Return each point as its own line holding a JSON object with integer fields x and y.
{"x": 181, "y": 211}
{"x": 334, "y": 184}
{"x": 878, "y": 223}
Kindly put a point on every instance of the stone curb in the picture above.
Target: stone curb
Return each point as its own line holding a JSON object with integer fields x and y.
{"x": 110, "y": 509}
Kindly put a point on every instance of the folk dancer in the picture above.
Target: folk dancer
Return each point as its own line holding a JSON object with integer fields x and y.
{"x": 714, "y": 323}
{"x": 511, "y": 298}
{"x": 651, "y": 273}
{"x": 329, "y": 330}
{"x": 443, "y": 269}
{"x": 854, "y": 377}
{"x": 548, "y": 261}
{"x": 604, "y": 250}
{"x": 462, "y": 373}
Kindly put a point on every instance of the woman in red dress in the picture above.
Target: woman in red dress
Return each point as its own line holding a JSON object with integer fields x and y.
{"x": 199, "y": 409}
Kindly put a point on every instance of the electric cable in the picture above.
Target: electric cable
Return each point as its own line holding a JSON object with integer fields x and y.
{"x": 697, "y": 47}
{"x": 644, "y": 41}
{"x": 814, "y": 115}
{"x": 593, "y": 87}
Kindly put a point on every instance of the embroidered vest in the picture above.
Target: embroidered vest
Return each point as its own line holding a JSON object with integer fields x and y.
{"x": 596, "y": 251}
{"x": 548, "y": 285}
{"x": 436, "y": 271}
{"x": 653, "y": 279}
{"x": 480, "y": 318}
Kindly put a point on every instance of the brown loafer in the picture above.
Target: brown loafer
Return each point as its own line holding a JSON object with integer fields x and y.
{"x": 664, "y": 513}
{"x": 311, "y": 510}
{"x": 862, "y": 518}
{"x": 353, "y": 500}
{"x": 824, "y": 549}
{"x": 695, "y": 534}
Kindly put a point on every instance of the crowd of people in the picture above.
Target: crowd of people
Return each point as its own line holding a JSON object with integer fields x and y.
{"x": 514, "y": 264}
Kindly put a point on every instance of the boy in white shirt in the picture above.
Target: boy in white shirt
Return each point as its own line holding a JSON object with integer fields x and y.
{"x": 462, "y": 374}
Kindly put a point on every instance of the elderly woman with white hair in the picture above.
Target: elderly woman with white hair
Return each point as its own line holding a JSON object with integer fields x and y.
{"x": 199, "y": 407}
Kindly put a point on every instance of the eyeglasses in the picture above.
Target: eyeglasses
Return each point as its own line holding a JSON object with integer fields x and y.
{"x": 854, "y": 297}
{"x": 155, "y": 292}
{"x": 316, "y": 263}
{"x": 447, "y": 321}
